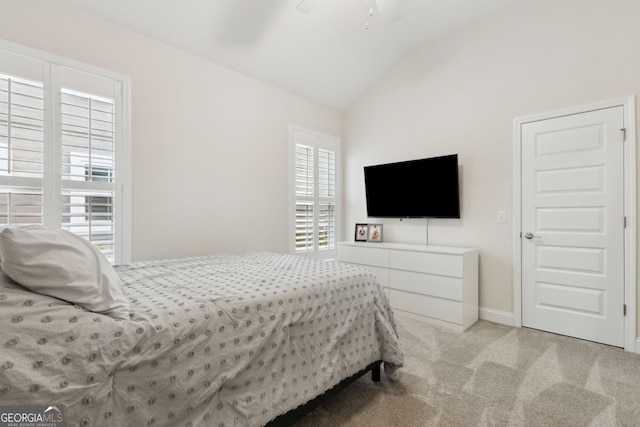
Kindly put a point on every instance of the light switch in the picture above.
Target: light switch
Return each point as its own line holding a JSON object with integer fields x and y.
{"x": 502, "y": 217}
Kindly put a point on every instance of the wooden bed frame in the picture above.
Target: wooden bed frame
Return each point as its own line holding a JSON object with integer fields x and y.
{"x": 289, "y": 418}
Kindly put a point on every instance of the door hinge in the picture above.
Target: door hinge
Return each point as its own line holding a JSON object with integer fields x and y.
{"x": 624, "y": 222}
{"x": 624, "y": 309}
{"x": 624, "y": 134}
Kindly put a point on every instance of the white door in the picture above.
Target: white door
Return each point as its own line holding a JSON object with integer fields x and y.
{"x": 573, "y": 225}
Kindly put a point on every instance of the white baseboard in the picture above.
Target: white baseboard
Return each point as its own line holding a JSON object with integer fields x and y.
{"x": 496, "y": 316}
{"x": 506, "y": 318}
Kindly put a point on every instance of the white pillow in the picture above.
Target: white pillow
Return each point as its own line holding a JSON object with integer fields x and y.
{"x": 60, "y": 264}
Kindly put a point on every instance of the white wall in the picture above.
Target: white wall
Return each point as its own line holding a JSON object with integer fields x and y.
{"x": 210, "y": 146}
{"x": 461, "y": 93}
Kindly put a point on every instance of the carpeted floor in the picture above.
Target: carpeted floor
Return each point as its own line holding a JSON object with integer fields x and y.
{"x": 492, "y": 375}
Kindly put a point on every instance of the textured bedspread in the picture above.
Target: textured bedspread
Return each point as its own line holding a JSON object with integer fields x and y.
{"x": 223, "y": 340}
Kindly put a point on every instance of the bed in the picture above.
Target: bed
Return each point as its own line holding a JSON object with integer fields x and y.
{"x": 234, "y": 339}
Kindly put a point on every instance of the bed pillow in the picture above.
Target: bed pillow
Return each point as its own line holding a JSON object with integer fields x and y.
{"x": 62, "y": 265}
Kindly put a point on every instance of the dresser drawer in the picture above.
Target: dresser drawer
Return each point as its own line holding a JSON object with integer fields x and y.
{"x": 364, "y": 255}
{"x": 436, "y": 308}
{"x": 427, "y": 284}
{"x": 427, "y": 262}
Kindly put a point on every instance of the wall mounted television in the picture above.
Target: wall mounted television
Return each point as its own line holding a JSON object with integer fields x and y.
{"x": 424, "y": 188}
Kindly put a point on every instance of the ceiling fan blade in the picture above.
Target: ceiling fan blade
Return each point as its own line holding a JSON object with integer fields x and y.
{"x": 389, "y": 10}
{"x": 306, "y": 6}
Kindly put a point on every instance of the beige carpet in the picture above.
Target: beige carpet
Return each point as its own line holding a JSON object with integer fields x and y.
{"x": 493, "y": 375}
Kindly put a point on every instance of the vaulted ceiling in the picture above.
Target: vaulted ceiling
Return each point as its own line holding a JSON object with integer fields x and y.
{"x": 330, "y": 54}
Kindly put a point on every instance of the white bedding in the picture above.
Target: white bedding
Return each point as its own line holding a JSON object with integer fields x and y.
{"x": 223, "y": 340}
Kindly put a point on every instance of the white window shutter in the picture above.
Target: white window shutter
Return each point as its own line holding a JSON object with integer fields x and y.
{"x": 304, "y": 227}
{"x": 314, "y": 194}
{"x": 304, "y": 195}
{"x": 21, "y": 150}
{"x": 304, "y": 171}
{"x": 88, "y": 167}
{"x": 61, "y": 131}
{"x": 326, "y": 226}
{"x": 326, "y": 173}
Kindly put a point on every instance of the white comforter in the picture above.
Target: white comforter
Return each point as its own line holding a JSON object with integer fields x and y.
{"x": 223, "y": 340}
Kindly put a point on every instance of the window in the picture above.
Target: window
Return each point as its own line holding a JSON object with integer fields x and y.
{"x": 314, "y": 193}
{"x": 21, "y": 150}
{"x": 63, "y": 143}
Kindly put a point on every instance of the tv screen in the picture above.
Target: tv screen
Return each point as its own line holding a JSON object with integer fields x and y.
{"x": 425, "y": 188}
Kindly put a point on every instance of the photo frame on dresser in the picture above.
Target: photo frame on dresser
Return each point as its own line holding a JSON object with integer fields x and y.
{"x": 361, "y": 233}
{"x": 374, "y": 233}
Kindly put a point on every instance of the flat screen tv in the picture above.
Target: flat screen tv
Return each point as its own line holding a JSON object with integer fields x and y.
{"x": 424, "y": 188}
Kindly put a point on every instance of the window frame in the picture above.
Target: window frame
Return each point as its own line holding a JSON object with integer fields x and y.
{"x": 54, "y": 69}
{"x": 319, "y": 141}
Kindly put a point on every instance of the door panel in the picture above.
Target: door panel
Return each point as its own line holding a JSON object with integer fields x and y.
{"x": 585, "y": 220}
{"x": 573, "y": 209}
{"x": 569, "y": 298}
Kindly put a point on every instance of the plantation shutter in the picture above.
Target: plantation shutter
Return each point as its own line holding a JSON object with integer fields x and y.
{"x": 61, "y": 148}
{"x": 326, "y": 200}
{"x": 315, "y": 186}
{"x": 305, "y": 186}
{"x": 88, "y": 167}
{"x": 21, "y": 150}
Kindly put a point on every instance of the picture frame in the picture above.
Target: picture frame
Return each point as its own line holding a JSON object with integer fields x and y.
{"x": 374, "y": 233}
{"x": 361, "y": 233}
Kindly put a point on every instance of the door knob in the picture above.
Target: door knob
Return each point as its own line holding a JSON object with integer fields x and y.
{"x": 529, "y": 235}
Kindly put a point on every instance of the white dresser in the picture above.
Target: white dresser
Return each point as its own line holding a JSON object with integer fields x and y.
{"x": 437, "y": 284}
